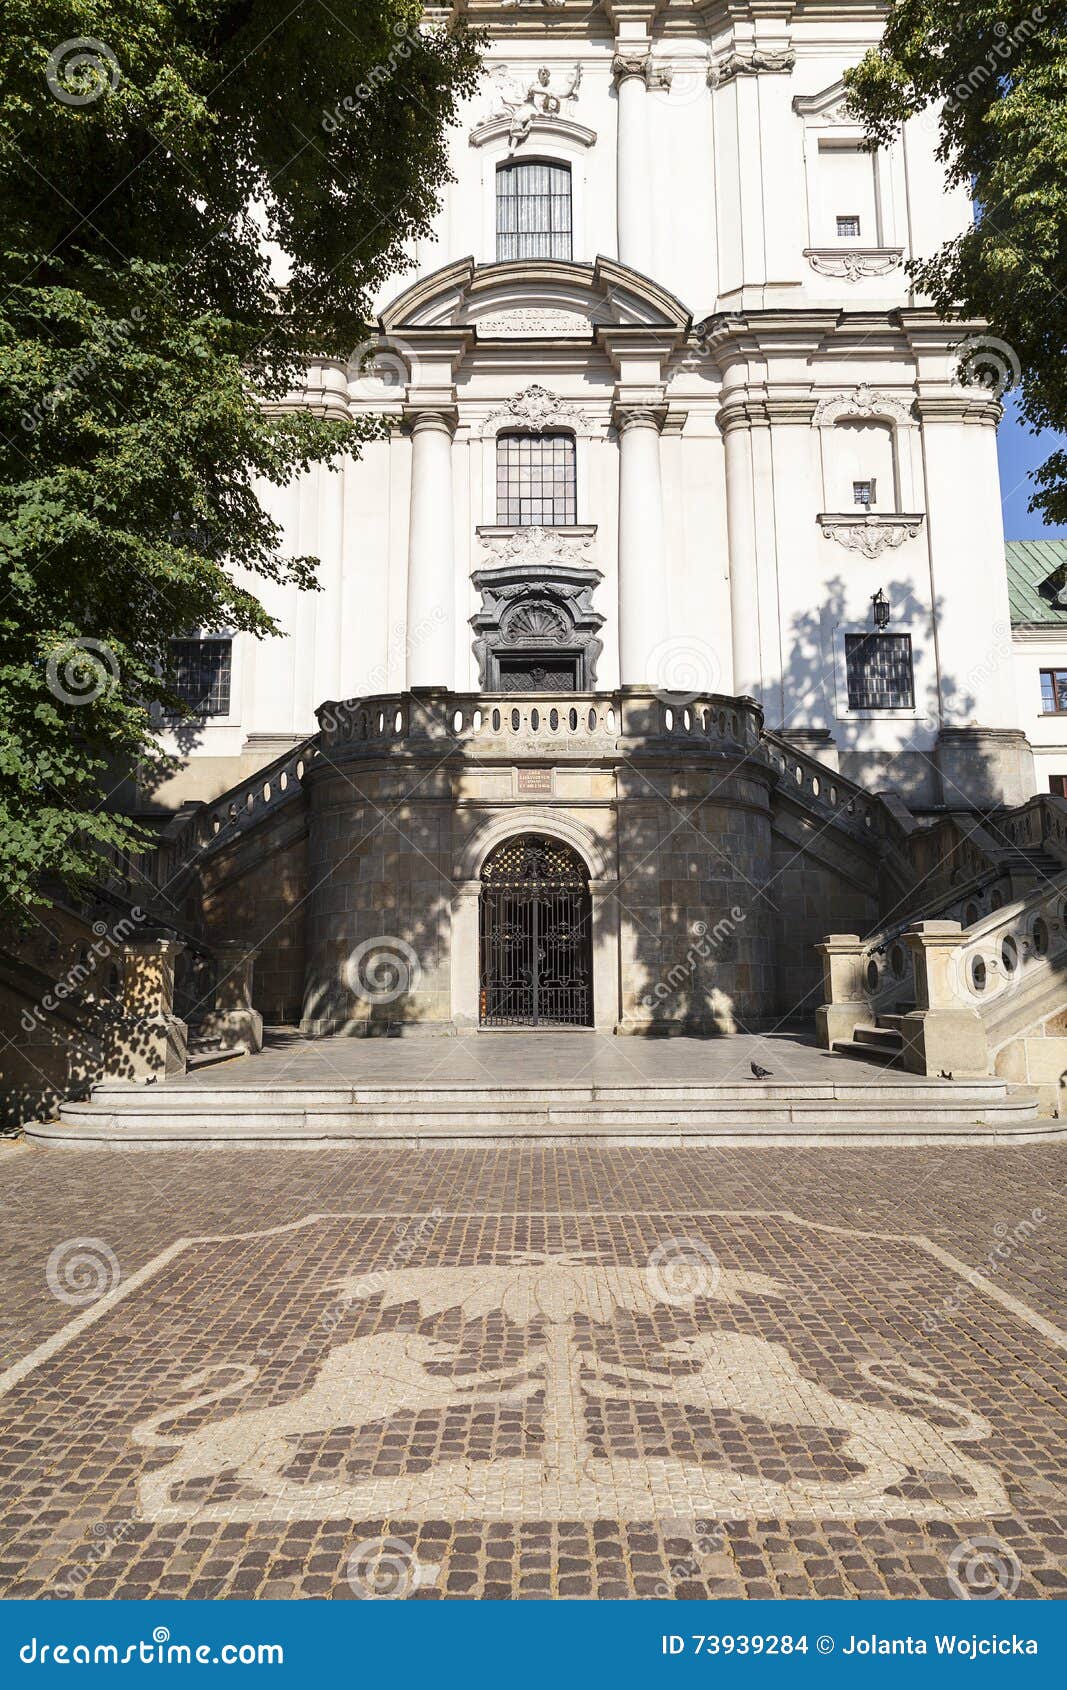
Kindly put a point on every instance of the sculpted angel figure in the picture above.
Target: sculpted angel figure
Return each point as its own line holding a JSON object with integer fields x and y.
{"x": 544, "y": 96}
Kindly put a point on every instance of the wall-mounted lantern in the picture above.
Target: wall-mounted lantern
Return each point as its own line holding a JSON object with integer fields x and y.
{"x": 881, "y": 609}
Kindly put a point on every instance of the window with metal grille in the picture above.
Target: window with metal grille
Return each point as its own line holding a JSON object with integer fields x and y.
{"x": 863, "y": 492}
{"x": 536, "y": 480}
{"x": 201, "y": 674}
{"x": 878, "y": 667}
{"x": 533, "y": 210}
{"x": 848, "y": 228}
{"x": 1054, "y": 692}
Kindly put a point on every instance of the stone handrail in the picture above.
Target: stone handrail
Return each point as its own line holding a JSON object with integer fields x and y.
{"x": 564, "y": 722}
{"x": 224, "y": 818}
{"x": 1012, "y": 967}
{"x": 1040, "y": 824}
{"x": 802, "y": 776}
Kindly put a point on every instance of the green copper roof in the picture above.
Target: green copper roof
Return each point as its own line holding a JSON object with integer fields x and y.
{"x": 1030, "y": 564}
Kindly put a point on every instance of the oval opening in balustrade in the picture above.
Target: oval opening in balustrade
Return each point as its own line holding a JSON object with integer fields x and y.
{"x": 553, "y": 720}
{"x": 457, "y": 721}
{"x": 898, "y": 960}
{"x": 722, "y": 721}
{"x": 496, "y": 721}
{"x": 610, "y": 720}
{"x": 815, "y": 786}
{"x": 592, "y": 721}
{"x": 515, "y": 721}
{"x": 300, "y": 769}
{"x": 250, "y": 802}
{"x": 477, "y": 721}
{"x": 1039, "y": 937}
{"x": 398, "y": 722}
{"x": 833, "y": 794}
{"x": 798, "y": 775}
{"x": 216, "y": 825}
{"x": 687, "y": 721}
{"x": 872, "y": 976}
{"x": 572, "y": 719}
{"x": 977, "y": 974}
{"x": 233, "y": 812}
{"x": 668, "y": 719}
{"x": 381, "y": 721}
{"x": 535, "y": 719}
{"x": 266, "y": 792}
{"x": 1009, "y": 955}
{"x": 283, "y": 780}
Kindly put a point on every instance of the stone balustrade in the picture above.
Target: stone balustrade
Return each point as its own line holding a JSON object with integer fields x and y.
{"x": 563, "y": 724}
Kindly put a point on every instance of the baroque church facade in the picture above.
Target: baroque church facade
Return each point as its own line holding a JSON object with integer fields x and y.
{"x": 672, "y": 605}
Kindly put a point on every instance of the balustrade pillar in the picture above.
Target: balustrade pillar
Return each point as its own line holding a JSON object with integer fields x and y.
{"x": 943, "y": 1033}
{"x": 148, "y": 1041}
{"x": 233, "y": 1023}
{"x": 431, "y": 559}
{"x": 642, "y": 554}
{"x": 844, "y": 1006}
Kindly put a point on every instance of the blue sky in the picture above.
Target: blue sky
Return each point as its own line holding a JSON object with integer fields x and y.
{"x": 1019, "y": 452}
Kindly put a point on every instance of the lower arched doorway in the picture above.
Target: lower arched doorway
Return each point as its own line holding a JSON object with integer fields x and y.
{"x": 535, "y": 936}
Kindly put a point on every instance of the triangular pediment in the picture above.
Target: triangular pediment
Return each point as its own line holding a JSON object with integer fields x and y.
{"x": 535, "y": 299}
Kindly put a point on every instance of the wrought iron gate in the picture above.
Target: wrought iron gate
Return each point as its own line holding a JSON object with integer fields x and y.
{"x": 535, "y": 936}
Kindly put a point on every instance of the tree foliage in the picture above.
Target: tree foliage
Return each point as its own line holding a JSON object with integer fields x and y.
{"x": 146, "y": 149}
{"x": 992, "y": 76}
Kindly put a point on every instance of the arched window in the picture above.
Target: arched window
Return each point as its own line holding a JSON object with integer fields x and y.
{"x": 536, "y": 483}
{"x": 533, "y": 210}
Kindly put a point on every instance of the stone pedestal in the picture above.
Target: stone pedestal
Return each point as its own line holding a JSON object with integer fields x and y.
{"x": 844, "y": 1005}
{"x": 148, "y": 1042}
{"x": 942, "y": 1034}
{"x": 233, "y": 1023}
{"x": 984, "y": 766}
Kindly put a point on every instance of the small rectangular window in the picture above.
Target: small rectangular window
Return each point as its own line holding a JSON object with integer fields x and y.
{"x": 863, "y": 492}
{"x": 879, "y": 671}
{"x": 848, "y": 227}
{"x": 1057, "y": 785}
{"x": 200, "y": 674}
{"x": 1054, "y": 692}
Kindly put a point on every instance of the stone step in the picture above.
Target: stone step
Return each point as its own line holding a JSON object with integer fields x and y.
{"x": 880, "y": 1037}
{"x": 1013, "y": 1121}
{"x": 889, "y": 1054}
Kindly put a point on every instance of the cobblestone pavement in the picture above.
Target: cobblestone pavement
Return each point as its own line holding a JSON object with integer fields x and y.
{"x": 529, "y": 1373}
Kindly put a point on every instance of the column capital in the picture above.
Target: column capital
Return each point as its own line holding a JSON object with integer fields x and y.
{"x": 426, "y": 418}
{"x": 647, "y": 413}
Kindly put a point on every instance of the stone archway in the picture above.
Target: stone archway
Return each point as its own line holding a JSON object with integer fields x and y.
{"x": 535, "y": 954}
{"x": 595, "y": 857}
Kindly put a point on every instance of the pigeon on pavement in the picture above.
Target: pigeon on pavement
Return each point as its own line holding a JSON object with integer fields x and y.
{"x": 759, "y": 1073}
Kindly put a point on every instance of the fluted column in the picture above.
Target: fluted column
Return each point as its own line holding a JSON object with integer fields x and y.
{"x": 633, "y": 186}
{"x": 642, "y": 554}
{"x": 431, "y": 560}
